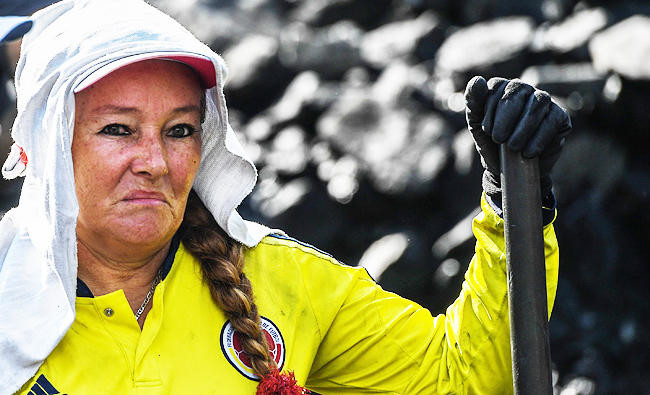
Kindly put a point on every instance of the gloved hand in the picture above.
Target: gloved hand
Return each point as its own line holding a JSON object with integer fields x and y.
{"x": 524, "y": 118}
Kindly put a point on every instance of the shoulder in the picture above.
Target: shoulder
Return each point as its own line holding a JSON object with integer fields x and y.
{"x": 288, "y": 245}
{"x": 288, "y": 272}
{"x": 280, "y": 255}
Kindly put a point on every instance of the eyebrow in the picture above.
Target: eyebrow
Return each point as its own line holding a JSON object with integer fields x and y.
{"x": 114, "y": 109}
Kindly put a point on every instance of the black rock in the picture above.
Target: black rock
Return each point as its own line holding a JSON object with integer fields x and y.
{"x": 625, "y": 116}
{"x": 218, "y": 25}
{"x": 624, "y": 48}
{"x": 399, "y": 85}
{"x": 399, "y": 40}
{"x": 256, "y": 78}
{"x": 621, "y": 10}
{"x": 401, "y": 151}
{"x": 273, "y": 197}
{"x": 302, "y": 90}
{"x": 579, "y": 85}
{"x": 288, "y": 153}
{"x": 481, "y": 10}
{"x": 488, "y": 48}
{"x": 602, "y": 164}
{"x": 384, "y": 252}
{"x": 247, "y": 60}
{"x": 329, "y": 51}
{"x": 326, "y": 12}
{"x": 571, "y": 34}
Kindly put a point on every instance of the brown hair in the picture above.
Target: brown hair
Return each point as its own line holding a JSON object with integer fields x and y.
{"x": 222, "y": 265}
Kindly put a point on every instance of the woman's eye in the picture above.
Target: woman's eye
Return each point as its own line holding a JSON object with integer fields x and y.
{"x": 182, "y": 130}
{"x": 115, "y": 129}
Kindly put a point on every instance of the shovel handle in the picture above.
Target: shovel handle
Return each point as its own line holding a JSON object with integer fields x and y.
{"x": 524, "y": 242}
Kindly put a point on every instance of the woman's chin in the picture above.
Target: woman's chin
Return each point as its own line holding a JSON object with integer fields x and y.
{"x": 145, "y": 230}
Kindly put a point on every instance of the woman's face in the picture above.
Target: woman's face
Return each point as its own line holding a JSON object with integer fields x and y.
{"x": 136, "y": 152}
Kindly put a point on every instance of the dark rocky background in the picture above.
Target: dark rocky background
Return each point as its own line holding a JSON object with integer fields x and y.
{"x": 353, "y": 112}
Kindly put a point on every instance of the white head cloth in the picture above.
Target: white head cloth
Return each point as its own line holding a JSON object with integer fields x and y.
{"x": 38, "y": 251}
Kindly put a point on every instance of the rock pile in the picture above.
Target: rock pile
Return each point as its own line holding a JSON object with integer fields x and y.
{"x": 353, "y": 113}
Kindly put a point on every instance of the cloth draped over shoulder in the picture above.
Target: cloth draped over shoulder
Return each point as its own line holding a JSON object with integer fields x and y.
{"x": 38, "y": 251}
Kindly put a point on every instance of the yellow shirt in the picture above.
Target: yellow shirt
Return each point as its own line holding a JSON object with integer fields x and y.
{"x": 330, "y": 324}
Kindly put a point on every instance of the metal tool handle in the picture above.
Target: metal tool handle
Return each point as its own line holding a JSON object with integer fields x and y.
{"x": 531, "y": 356}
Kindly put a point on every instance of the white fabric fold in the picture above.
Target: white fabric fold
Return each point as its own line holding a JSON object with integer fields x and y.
{"x": 38, "y": 255}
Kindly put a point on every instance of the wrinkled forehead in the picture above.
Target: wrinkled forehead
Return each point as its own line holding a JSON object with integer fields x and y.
{"x": 146, "y": 89}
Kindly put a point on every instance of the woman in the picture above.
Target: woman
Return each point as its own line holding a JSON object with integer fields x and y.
{"x": 126, "y": 268}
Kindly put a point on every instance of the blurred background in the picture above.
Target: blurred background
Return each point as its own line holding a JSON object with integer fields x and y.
{"x": 353, "y": 112}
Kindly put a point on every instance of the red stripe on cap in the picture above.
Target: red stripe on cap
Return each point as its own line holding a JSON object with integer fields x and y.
{"x": 203, "y": 67}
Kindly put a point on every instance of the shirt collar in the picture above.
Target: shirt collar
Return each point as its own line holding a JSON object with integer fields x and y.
{"x": 84, "y": 292}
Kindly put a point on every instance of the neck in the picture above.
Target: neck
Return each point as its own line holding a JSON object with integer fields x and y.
{"x": 103, "y": 273}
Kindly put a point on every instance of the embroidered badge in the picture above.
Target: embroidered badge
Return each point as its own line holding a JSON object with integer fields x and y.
{"x": 232, "y": 349}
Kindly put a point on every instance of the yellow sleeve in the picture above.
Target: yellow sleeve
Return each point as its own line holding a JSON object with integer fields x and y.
{"x": 379, "y": 342}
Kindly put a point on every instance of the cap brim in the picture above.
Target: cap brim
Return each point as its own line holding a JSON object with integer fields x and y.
{"x": 14, "y": 27}
{"x": 201, "y": 64}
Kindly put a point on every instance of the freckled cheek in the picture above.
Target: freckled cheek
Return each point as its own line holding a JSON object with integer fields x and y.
{"x": 191, "y": 168}
{"x": 186, "y": 165}
{"x": 96, "y": 172}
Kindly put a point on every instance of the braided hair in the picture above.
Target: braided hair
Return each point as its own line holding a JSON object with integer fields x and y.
{"x": 222, "y": 265}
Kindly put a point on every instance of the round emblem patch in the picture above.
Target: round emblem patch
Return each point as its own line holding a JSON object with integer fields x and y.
{"x": 232, "y": 349}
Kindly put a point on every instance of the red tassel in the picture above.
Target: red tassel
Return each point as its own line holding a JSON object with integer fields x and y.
{"x": 23, "y": 156}
{"x": 276, "y": 383}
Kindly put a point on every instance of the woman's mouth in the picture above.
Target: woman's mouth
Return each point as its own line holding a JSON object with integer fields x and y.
{"x": 145, "y": 197}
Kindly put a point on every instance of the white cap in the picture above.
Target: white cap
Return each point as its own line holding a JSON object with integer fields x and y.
{"x": 202, "y": 65}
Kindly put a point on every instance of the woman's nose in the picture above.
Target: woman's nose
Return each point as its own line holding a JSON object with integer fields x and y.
{"x": 151, "y": 157}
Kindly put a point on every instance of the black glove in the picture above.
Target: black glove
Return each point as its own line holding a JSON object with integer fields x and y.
{"x": 524, "y": 118}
